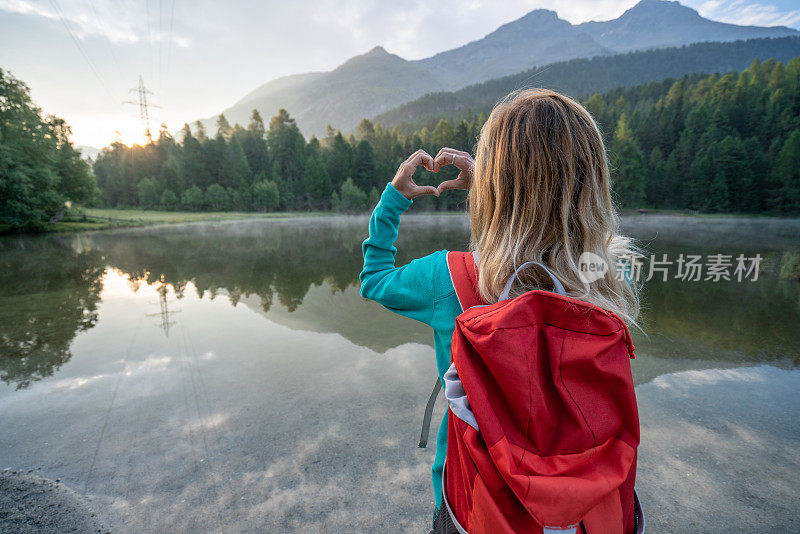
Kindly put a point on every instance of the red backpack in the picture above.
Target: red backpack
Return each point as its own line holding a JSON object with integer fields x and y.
{"x": 543, "y": 427}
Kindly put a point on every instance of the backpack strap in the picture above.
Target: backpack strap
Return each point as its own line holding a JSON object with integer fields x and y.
{"x": 464, "y": 275}
{"x": 558, "y": 287}
{"x": 426, "y": 419}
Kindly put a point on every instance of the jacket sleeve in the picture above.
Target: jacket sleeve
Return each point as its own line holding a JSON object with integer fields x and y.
{"x": 408, "y": 290}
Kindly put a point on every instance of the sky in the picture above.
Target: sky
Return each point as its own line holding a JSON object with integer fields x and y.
{"x": 82, "y": 58}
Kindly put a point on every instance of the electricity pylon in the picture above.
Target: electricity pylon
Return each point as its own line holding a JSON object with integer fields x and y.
{"x": 166, "y": 321}
{"x": 144, "y": 111}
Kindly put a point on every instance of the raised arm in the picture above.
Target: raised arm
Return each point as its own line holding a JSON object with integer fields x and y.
{"x": 408, "y": 290}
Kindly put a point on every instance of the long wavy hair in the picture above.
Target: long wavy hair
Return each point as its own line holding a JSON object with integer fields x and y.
{"x": 541, "y": 192}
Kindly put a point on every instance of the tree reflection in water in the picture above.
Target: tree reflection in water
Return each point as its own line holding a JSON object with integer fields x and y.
{"x": 48, "y": 293}
{"x": 50, "y": 286}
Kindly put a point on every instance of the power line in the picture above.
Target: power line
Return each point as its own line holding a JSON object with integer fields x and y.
{"x": 169, "y": 41}
{"x": 160, "y": 48}
{"x": 102, "y": 24}
{"x": 86, "y": 57}
{"x": 149, "y": 35}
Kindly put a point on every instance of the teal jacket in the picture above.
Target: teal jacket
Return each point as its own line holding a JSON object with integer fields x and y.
{"x": 421, "y": 290}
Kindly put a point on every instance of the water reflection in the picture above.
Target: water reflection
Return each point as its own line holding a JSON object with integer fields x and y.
{"x": 48, "y": 293}
{"x": 303, "y": 274}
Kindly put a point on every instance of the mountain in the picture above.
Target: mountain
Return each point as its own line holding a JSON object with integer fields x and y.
{"x": 537, "y": 38}
{"x": 375, "y": 82}
{"x": 284, "y": 88}
{"x": 580, "y": 78}
{"x": 661, "y": 23}
{"x": 88, "y": 151}
{"x": 363, "y": 86}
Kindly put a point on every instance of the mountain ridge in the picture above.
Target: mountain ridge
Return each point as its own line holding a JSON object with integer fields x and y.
{"x": 581, "y": 77}
{"x": 684, "y": 25}
{"x": 377, "y": 81}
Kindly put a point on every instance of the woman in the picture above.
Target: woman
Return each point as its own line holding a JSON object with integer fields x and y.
{"x": 539, "y": 191}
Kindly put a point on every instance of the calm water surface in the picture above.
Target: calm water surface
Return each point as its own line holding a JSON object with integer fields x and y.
{"x": 229, "y": 376}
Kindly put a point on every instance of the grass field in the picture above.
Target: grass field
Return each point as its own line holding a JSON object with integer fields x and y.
{"x": 150, "y": 216}
{"x": 102, "y": 219}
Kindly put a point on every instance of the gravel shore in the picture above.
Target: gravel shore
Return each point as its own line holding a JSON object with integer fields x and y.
{"x": 30, "y": 503}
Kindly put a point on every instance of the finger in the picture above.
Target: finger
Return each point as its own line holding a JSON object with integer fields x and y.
{"x": 427, "y": 160}
{"x": 424, "y": 189}
{"x": 464, "y": 163}
{"x": 428, "y": 190}
{"x": 410, "y": 164}
{"x": 408, "y": 167}
{"x": 449, "y": 156}
{"x": 410, "y": 158}
{"x": 441, "y": 151}
{"x": 453, "y": 150}
{"x": 451, "y": 184}
{"x": 422, "y": 157}
{"x": 441, "y": 160}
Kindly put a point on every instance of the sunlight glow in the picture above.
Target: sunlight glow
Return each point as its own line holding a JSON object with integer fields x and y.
{"x": 103, "y": 129}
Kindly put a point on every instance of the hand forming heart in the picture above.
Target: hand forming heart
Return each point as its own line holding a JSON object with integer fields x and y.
{"x": 404, "y": 183}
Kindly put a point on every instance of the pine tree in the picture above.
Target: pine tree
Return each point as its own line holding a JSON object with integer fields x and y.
{"x": 201, "y": 132}
{"x": 254, "y": 144}
{"x": 701, "y": 176}
{"x": 223, "y": 127}
{"x": 366, "y": 131}
{"x": 171, "y": 176}
{"x": 364, "y": 166}
{"x": 718, "y": 197}
{"x": 338, "y": 158}
{"x": 286, "y": 146}
{"x": 316, "y": 184}
{"x": 193, "y": 161}
{"x": 236, "y": 170}
{"x": 787, "y": 171}
{"x": 628, "y": 163}
{"x": 443, "y": 134}
{"x": 656, "y": 185}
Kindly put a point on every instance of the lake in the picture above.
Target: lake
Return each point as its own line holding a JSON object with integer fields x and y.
{"x": 229, "y": 377}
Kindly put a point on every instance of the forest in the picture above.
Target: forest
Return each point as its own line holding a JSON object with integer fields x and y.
{"x": 39, "y": 168}
{"x": 709, "y": 143}
{"x": 718, "y": 143}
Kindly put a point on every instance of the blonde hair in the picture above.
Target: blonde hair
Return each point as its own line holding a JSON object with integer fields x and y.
{"x": 541, "y": 192}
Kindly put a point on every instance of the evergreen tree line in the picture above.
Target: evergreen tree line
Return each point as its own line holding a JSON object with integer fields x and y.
{"x": 39, "y": 168}
{"x": 723, "y": 143}
{"x": 258, "y": 168}
{"x": 719, "y": 143}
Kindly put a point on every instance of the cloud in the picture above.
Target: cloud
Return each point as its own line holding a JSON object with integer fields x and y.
{"x": 118, "y": 23}
{"x": 687, "y": 380}
{"x": 748, "y": 13}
